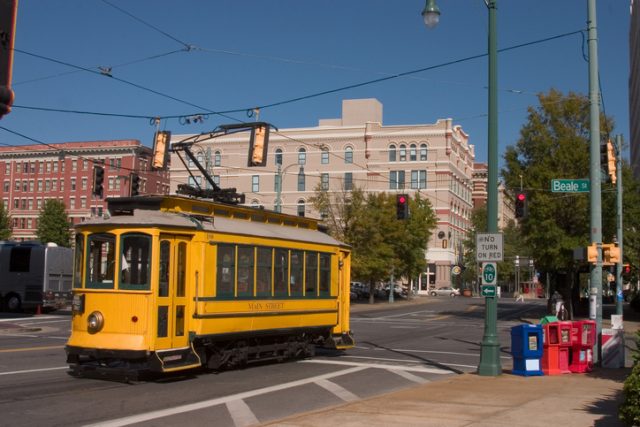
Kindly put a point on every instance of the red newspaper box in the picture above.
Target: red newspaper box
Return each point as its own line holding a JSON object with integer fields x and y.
{"x": 583, "y": 338}
{"x": 551, "y": 345}
{"x": 564, "y": 349}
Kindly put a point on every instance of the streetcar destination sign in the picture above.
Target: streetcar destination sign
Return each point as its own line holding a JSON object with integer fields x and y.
{"x": 570, "y": 185}
{"x": 489, "y": 247}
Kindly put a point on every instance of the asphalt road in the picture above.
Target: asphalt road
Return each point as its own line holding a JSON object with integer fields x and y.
{"x": 398, "y": 346}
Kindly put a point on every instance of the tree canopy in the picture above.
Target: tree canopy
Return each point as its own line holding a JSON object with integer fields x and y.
{"x": 53, "y": 224}
{"x": 5, "y": 223}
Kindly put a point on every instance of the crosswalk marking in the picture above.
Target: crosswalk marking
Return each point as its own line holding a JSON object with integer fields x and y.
{"x": 241, "y": 414}
{"x": 338, "y": 390}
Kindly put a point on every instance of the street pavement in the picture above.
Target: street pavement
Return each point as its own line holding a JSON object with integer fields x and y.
{"x": 470, "y": 400}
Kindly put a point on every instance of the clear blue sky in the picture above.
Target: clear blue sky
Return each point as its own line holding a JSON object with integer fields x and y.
{"x": 251, "y": 52}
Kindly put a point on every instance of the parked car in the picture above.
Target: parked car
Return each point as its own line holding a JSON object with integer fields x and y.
{"x": 398, "y": 291}
{"x": 360, "y": 289}
{"x": 444, "y": 291}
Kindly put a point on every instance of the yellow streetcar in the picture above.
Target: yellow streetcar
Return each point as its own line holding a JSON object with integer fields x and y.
{"x": 170, "y": 283}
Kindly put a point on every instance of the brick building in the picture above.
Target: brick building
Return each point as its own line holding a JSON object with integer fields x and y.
{"x": 31, "y": 174}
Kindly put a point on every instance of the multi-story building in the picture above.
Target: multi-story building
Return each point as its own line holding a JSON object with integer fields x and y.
{"x": 435, "y": 160}
{"x": 634, "y": 86}
{"x": 506, "y": 203}
{"x": 31, "y": 174}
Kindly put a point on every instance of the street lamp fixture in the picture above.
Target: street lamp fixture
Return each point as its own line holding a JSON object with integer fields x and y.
{"x": 431, "y": 14}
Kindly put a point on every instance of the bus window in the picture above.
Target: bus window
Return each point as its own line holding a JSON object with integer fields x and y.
{"x": 245, "y": 271}
{"x": 311, "y": 274}
{"x": 78, "y": 261}
{"x": 20, "y": 259}
{"x": 226, "y": 274}
{"x": 265, "y": 263}
{"x": 296, "y": 272}
{"x": 325, "y": 274}
{"x": 281, "y": 272}
{"x": 135, "y": 261}
{"x": 101, "y": 261}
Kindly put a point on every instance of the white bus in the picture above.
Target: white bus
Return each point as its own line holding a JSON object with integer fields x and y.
{"x": 33, "y": 275}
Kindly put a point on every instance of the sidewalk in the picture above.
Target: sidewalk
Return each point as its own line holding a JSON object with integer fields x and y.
{"x": 470, "y": 400}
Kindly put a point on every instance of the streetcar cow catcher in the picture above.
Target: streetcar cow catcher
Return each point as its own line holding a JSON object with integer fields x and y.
{"x": 170, "y": 283}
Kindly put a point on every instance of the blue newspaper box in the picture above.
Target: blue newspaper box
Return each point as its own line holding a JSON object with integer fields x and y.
{"x": 526, "y": 349}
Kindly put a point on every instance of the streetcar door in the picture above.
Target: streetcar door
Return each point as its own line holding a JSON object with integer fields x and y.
{"x": 171, "y": 331}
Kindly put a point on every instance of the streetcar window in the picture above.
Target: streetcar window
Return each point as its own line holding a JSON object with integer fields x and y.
{"x": 311, "y": 274}
{"x": 245, "y": 270}
{"x": 179, "y": 321}
{"x": 101, "y": 261}
{"x": 265, "y": 264}
{"x": 281, "y": 272}
{"x": 297, "y": 261}
{"x": 135, "y": 262}
{"x": 182, "y": 269}
{"x": 20, "y": 260}
{"x": 325, "y": 274}
{"x": 165, "y": 252}
{"x": 78, "y": 261}
{"x": 226, "y": 276}
{"x": 163, "y": 321}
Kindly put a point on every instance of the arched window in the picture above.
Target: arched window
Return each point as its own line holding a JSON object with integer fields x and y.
{"x": 300, "y": 207}
{"x": 413, "y": 153}
{"x": 423, "y": 152}
{"x": 403, "y": 153}
{"x": 348, "y": 155}
{"x": 279, "y": 156}
{"x": 217, "y": 158}
{"x": 392, "y": 153}
{"x": 302, "y": 156}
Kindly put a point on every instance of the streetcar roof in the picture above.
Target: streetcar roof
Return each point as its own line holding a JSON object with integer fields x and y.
{"x": 217, "y": 224}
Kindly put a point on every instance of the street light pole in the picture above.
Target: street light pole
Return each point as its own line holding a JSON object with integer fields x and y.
{"x": 490, "y": 346}
{"x": 595, "y": 175}
{"x": 619, "y": 187}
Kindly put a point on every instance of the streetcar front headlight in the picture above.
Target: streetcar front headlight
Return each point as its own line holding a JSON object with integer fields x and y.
{"x": 95, "y": 322}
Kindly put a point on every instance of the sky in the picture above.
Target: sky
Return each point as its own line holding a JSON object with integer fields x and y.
{"x": 178, "y": 59}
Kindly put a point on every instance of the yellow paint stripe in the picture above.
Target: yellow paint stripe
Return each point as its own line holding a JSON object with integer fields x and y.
{"x": 14, "y": 350}
{"x": 446, "y": 316}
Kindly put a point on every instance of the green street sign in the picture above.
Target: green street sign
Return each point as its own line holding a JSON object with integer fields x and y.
{"x": 488, "y": 290}
{"x": 489, "y": 273}
{"x": 570, "y": 185}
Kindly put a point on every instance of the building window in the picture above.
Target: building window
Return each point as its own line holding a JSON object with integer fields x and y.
{"x": 302, "y": 156}
{"x": 413, "y": 153}
{"x": 301, "y": 180}
{"x": 72, "y": 203}
{"x": 216, "y": 179}
{"x": 110, "y": 185}
{"x": 195, "y": 182}
{"x": 324, "y": 179}
{"x": 47, "y": 185}
{"x": 83, "y": 202}
{"x": 403, "y": 153}
{"x": 30, "y": 204}
{"x": 62, "y": 185}
{"x": 348, "y": 155}
{"x": 25, "y": 185}
{"x": 255, "y": 183}
{"x": 217, "y": 158}
{"x": 392, "y": 153}
{"x": 31, "y": 185}
{"x": 419, "y": 179}
{"x": 324, "y": 156}
{"x": 39, "y": 185}
{"x": 39, "y": 204}
{"x": 6, "y": 186}
{"x": 74, "y": 165}
{"x": 348, "y": 181}
{"x": 73, "y": 184}
{"x": 396, "y": 180}
{"x": 85, "y": 164}
{"x": 423, "y": 152}
{"x": 55, "y": 167}
{"x": 279, "y": 156}
{"x": 84, "y": 183}
{"x": 17, "y": 186}
{"x": 300, "y": 207}
{"x": 16, "y": 203}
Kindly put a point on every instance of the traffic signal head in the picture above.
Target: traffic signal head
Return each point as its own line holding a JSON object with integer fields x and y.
{"x": 258, "y": 145}
{"x": 402, "y": 206}
{"x": 521, "y": 205}
{"x": 608, "y": 162}
{"x": 98, "y": 181}
{"x": 135, "y": 184}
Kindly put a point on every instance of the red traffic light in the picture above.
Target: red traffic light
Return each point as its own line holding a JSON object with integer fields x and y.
{"x": 402, "y": 199}
{"x": 522, "y": 197}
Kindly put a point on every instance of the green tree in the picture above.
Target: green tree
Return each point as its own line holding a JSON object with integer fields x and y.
{"x": 554, "y": 143}
{"x": 5, "y": 223}
{"x": 53, "y": 224}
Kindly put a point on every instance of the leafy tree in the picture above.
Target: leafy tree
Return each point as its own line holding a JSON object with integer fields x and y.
{"x": 53, "y": 224}
{"x": 554, "y": 143}
{"x": 5, "y": 223}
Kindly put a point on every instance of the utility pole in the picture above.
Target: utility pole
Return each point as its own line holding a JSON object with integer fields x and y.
{"x": 595, "y": 174}
{"x": 618, "y": 150}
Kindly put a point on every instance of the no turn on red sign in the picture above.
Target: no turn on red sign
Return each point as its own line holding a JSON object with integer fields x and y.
{"x": 489, "y": 247}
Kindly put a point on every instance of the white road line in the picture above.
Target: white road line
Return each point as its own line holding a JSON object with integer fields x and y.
{"x": 414, "y": 368}
{"x": 241, "y": 414}
{"x": 409, "y": 376}
{"x": 23, "y": 319}
{"x": 28, "y": 371}
{"x": 338, "y": 390}
{"x": 125, "y": 421}
{"x": 38, "y": 322}
{"x": 404, "y": 350}
{"x": 405, "y": 314}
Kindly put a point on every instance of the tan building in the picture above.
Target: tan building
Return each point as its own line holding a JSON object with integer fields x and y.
{"x": 435, "y": 160}
{"x": 506, "y": 202}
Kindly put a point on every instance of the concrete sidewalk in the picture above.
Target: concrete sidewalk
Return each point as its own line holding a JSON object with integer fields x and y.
{"x": 569, "y": 400}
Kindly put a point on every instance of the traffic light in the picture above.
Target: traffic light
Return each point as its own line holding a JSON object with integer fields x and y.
{"x": 402, "y": 206}
{"x": 8, "y": 13}
{"x": 98, "y": 180}
{"x": 626, "y": 269}
{"x": 610, "y": 253}
{"x": 608, "y": 161}
{"x": 134, "y": 179}
{"x": 521, "y": 209}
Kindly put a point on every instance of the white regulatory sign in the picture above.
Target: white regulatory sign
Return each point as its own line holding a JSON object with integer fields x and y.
{"x": 489, "y": 247}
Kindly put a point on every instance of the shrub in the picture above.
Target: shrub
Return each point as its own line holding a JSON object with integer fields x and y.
{"x": 629, "y": 411}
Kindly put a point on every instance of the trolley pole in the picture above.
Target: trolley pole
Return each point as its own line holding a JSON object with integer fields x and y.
{"x": 619, "y": 297}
